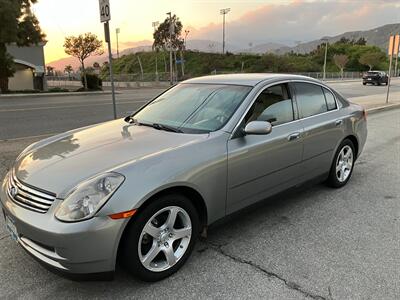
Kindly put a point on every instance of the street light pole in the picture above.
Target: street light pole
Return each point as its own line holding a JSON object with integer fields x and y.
{"x": 155, "y": 25}
{"x": 117, "y": 31}
{"x": 326, "y": 54}
{"x": 223, "y": 12}
{"x": 171, "y": 80}
{"x": 186, "y": 34}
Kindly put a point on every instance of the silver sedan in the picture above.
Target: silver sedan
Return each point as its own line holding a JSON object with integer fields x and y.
{"x": 140, "y": 190}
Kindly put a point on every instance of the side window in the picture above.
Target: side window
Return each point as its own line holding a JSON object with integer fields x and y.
{"x": 330, "y": 99}
{"x": 274, "y": 105}
{"x": 310, "y": 99}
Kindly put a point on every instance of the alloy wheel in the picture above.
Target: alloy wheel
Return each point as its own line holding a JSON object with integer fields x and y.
{"x": 165, "y": 239}
{"x": 344, "y": 164}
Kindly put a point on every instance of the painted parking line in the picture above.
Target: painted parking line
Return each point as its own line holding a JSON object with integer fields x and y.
{"x": 67, "y": 106}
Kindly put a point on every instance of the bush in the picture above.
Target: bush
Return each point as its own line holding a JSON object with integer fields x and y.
{"x": 57, "y": 90}
{"x": 94, "y": 82}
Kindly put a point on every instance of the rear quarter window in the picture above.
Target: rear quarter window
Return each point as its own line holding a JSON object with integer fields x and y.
{"x": 330, "y": 99}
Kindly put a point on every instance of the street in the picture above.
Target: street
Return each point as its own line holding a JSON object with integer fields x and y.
{"x": 50, "y": 115}
{"x": 312, "y": 242}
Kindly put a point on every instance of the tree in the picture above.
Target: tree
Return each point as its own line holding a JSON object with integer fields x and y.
{"x": 341, "y": 61}
{"x": 162, "y": 35}
{"x": 20, "y": 26}
{"x": 82, "y": 47}
{"x": 361, "y": 41}
{"x": 68, "y": 69}
{"x": 50, "y": 71}
{"x": 344, "y": 40}
{"x": 372, "y": 59}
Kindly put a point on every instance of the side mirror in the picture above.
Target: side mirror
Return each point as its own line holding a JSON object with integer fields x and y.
{"x": 258, "y": 127}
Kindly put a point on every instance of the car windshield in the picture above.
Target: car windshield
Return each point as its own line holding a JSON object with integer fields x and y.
{"x": 372, "y": 73}
{"x": 194, "y": 108}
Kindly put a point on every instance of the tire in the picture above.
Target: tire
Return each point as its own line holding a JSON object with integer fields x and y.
{"x": 137, "y": 244}
{"x": 339, "y": 176}
{"x": 364, "y": 83}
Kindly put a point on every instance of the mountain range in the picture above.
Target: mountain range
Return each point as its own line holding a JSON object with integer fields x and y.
{"x": 377, "y": 36}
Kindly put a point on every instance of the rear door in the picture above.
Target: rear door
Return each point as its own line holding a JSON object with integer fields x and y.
{"x": 323, "y": 127}
{"x": 261, "y": 165}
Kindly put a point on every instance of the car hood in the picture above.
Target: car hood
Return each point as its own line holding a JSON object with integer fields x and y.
{"x": 60, "y": 163}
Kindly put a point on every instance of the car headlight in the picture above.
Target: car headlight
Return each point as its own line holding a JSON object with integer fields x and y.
{"x": 87, "y": 198}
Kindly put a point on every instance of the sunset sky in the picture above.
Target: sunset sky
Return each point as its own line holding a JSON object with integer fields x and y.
{"x": 249, "y": 21}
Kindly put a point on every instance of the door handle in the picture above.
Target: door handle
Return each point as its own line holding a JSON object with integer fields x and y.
{"x": 294, "y": 136}
{"x": 339, "y": 122}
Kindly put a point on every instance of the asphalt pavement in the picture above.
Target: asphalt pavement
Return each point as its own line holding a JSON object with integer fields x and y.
{"x": 314, "y": 242}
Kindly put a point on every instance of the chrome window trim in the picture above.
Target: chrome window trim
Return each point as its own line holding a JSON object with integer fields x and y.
{"x": 254, "y": 100}
{"x": 294, "y": 101}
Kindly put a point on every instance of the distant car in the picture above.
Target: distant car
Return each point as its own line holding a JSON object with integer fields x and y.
{"x": 141, "y": 189}
{"x": 375, "y": 78}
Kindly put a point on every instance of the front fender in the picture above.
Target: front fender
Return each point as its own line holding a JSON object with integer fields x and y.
{"x": 200, "y": 166}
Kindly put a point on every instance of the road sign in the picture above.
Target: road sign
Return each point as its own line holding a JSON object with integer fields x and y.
{"x": 393, "y": 41}
{"x": 105, "y": 17}
{"x": 396, "y": 44}
{"x": 105, "y": 14}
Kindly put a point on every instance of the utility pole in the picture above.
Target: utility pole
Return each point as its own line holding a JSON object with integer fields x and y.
{"x": 326, "y": 54}
{"x": 171, "y": 30}
{"x": 117, "y": 31}
{"x": 155, "y": 25}
{"x": 224, "y": 12}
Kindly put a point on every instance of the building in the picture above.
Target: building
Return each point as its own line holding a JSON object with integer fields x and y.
{"x": 29, "y": 66}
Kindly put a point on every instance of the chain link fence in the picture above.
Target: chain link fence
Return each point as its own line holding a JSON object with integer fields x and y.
{"x": 152, "y": 79}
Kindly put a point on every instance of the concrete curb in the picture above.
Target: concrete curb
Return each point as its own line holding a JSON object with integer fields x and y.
{"x": 374, "y": 110}
{"x": 37, "y": 95}
{"x": 342, "y": 81}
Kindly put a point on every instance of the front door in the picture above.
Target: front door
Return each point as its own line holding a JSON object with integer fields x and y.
{"x": 262, "y": 165}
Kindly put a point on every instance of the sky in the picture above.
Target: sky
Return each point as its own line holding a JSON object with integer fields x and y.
{"x": 251, "y": 21}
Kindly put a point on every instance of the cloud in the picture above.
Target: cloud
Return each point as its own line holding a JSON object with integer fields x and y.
{"x": 303, "y": 21}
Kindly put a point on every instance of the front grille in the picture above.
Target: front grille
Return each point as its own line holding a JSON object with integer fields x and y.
{"x": 29, "y": 197}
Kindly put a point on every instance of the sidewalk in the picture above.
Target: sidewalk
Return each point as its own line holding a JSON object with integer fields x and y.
{"x": 377, "y": 102}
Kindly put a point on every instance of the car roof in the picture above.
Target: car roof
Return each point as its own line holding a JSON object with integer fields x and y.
{"x": 249, "y": 79}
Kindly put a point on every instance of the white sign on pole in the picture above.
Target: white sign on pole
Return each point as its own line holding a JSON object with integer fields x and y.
{"x": 105, "y": 14}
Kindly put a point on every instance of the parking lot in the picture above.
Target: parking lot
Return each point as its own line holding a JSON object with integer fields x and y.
{"x": 311, "y": 242}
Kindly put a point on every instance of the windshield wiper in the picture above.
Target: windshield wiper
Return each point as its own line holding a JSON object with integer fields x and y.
{"x": 166, "y": 127}
{"x": 131, "y": 120}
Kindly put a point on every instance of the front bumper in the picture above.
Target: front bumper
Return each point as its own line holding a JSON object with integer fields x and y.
{"x": 83, "y": 247}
